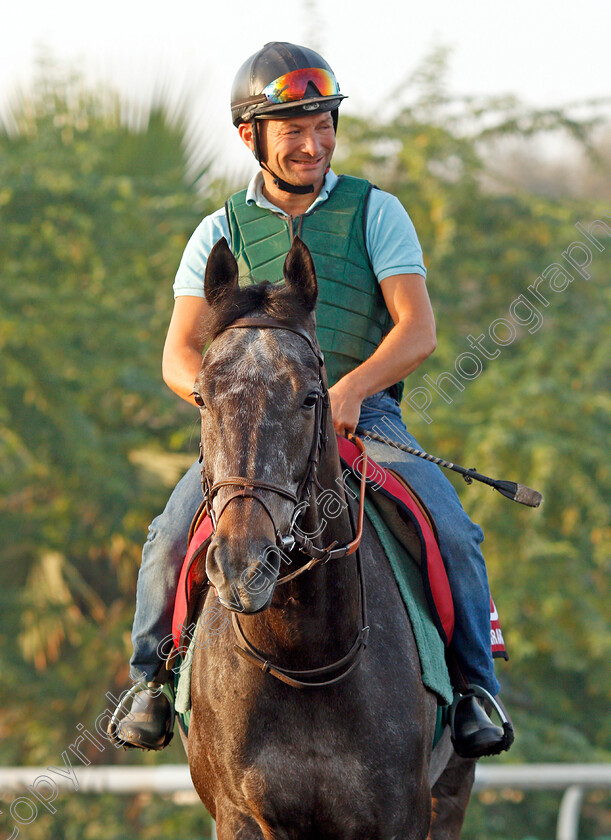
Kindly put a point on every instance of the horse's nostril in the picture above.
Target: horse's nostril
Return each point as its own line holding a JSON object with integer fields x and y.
{"x": 212, "y": 559}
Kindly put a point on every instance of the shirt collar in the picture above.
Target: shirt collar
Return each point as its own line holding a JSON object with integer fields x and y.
{"x": 254, "y": 193}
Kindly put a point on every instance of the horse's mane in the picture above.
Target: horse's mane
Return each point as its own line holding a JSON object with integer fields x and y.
{"x": 274, "y": 300}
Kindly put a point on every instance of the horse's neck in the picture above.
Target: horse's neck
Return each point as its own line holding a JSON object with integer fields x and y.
{"x": 314, "y": 617}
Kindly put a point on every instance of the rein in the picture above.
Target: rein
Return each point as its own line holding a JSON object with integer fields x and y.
{"x": 312, "y": 678}
{"x": 248, "y": 488}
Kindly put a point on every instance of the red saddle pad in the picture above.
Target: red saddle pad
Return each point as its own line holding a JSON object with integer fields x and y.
{"x": 432, "y": 567}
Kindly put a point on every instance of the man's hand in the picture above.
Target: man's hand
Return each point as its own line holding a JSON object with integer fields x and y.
{"x": 345, "y": 406}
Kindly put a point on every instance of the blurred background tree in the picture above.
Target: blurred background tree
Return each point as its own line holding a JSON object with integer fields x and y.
{"x": 95, "y": 210}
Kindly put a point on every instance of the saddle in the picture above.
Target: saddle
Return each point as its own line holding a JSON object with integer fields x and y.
{"x": 406, "y": 516}
{"x": 403, "y": 524}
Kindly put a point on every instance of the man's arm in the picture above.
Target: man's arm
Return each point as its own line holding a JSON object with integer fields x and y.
{"x": 182, "y": 352}
{"x": 407, "y": 345}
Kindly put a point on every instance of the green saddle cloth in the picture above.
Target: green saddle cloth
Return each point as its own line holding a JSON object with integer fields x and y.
{"x": 435, "y": 674}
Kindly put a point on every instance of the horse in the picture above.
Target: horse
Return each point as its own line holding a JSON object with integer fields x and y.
{"x": 309, "y": 718}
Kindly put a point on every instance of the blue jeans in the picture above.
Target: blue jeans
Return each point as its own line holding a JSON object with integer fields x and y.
{"x": 459, "y": 538}
{"x": 166, "y": 546}
{"x": 162, "y": 559}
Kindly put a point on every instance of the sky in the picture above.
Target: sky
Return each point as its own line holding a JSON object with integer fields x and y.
{"x": 547, "y": 53}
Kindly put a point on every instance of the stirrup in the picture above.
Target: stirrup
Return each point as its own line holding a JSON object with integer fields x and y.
{"x": 477, "y": 691}
{"x": 119, "y": 715}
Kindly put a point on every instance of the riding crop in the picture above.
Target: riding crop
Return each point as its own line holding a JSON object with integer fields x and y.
{"x": 511, "y": 489}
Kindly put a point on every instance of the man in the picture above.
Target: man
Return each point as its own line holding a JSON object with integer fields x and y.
{"x": 285, "y": 102}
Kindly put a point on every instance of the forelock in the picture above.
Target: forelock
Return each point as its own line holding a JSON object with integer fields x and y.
{"x": 274, "y": 300}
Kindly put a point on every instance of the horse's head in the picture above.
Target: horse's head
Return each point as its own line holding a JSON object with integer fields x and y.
{"x": 263, "y": 404}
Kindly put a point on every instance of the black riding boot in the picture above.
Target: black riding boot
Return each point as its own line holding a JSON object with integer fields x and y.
{"x": 150, "y": 722}
{"x": 473, "y": 733}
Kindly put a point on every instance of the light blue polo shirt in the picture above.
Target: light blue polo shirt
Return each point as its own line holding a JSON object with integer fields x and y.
{"x": 390, "y": 237}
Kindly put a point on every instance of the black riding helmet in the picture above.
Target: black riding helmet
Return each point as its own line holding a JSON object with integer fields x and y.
{"x": 283, "y": 80}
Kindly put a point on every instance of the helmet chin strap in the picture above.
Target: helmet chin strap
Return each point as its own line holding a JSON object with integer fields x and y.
{"x": 285, "y": 186}
{"x": 294, "y": 189}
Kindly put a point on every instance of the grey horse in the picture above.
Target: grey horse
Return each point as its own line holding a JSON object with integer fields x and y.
{"x": 350, "y": 755}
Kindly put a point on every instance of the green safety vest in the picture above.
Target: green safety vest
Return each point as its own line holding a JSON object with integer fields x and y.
{"x": 351, "y": 315}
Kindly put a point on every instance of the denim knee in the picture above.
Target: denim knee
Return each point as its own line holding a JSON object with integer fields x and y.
{"x": 166, "y": 539}
{"x": 460, "y": 539}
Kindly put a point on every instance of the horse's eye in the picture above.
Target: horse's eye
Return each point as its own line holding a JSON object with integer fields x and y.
{"x": 311, "y": 399}
{"x": 198, "y": 399}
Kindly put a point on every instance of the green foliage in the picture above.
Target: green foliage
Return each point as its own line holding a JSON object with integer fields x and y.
{"x": 538, "y": 413}
{"x": 94, "y": 216}
{"x": 116, "y": 817}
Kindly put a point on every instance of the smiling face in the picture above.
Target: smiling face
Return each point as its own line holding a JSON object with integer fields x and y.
{"x": 298, "y": 149}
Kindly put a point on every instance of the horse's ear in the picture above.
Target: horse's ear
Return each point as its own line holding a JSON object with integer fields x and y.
{"x": 221, "y": 272}
{"x": 300, "y": 275}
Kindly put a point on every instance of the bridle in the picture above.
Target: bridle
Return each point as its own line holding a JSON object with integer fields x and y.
{"x": 249, "y": 487}
{"x": 295, "y": 538}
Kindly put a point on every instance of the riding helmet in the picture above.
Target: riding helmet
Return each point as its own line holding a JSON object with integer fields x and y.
{"x": 255, "y": 95}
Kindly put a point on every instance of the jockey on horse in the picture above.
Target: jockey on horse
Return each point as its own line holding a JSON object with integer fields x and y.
{"x": 284, "y": 103}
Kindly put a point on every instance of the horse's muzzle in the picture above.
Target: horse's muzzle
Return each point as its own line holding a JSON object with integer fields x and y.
{"x": 244, "y": 574}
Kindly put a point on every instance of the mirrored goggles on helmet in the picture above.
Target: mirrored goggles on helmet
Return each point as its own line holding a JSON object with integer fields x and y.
{"x": 292, "y": 86}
